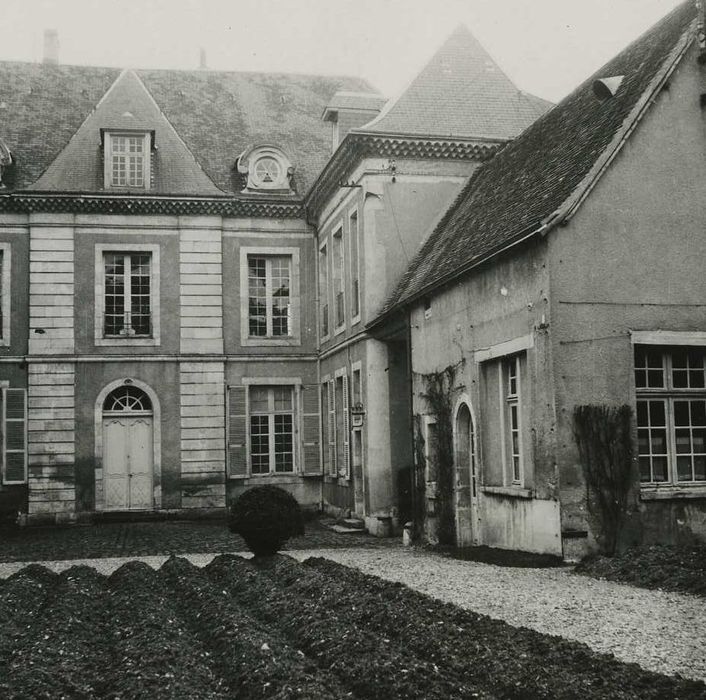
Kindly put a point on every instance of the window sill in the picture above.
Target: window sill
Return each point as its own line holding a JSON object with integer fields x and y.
{"x": 510, "y": 491}
{"x": 339, "y": 329}
{"x": 270, "y": 342}
{"x": 668, "y": 493}
{"x": 255, "y": 479}
{"x": 122, "y": 342}
{"x": 355, "y": 320}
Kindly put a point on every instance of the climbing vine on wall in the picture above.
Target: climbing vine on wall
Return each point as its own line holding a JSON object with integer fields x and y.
{"x": 603, "y": 436}
{"x": 439, "y": 389}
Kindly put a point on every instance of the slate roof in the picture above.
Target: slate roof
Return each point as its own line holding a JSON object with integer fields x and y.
{"x": 539, "y": 176}
{"x": 41, "y": 107}
{"x": 126, "y": 105}
{"x": 216, "y": 115}
{"x": 461, "y": 92}
{"x": 219, "y": 114}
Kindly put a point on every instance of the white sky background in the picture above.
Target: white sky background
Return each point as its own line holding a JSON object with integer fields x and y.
{"x": 546, "y": 46}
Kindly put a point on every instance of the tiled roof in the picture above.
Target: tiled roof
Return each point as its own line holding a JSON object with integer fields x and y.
{"x": 461, "y": 92}
{"x": 216, "y": 115}
{"x": 127, "y": 105}
{"x": 220, "y": 114}
{"x": 535, "y": 178}
{"x": 41, "y": 107}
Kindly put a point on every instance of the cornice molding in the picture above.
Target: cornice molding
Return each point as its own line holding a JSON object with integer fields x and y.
{"x": 358, "y": 145}
{"x": 28, "y": 202}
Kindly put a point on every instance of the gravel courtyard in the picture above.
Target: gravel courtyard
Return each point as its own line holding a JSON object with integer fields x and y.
{"x": 662, "y": 632}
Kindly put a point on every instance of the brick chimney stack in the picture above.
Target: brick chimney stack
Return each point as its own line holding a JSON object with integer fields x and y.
{"x": 51, "y": 47}
{"x": 202, "y": 59}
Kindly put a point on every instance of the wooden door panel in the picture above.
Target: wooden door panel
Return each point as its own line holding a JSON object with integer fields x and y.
{"x": 140, "y": 450}
{"x": 115, "y": 463}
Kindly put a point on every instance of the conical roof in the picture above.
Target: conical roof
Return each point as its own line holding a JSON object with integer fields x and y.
{"x": 461, "y": 92}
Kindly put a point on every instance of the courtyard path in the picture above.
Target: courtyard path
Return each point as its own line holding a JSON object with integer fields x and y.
{"x": 663, "y": 632}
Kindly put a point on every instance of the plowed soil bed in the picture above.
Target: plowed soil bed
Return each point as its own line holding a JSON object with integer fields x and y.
{"x": 275, "y": 628}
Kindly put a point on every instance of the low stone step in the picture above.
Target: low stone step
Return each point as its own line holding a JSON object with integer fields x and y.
{"x": 343, "y": 530}
{"x": 353, "y": 523}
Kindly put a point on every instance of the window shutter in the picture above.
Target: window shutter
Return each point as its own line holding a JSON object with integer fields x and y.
{"x": 325, "y": 453}
{"x": 332, "y": 426}
{"x": 346, "y": 466}
{"x": 311, "y": 429}
{"x": 237, "y": 432}
{"x": 15, "y": 444}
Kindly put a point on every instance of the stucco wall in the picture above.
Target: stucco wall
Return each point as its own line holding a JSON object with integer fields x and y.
{"x": 495, "y": 304}
{"x": 631, "y": 259}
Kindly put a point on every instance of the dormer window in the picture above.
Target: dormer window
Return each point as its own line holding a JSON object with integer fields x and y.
{"x": 267, "y": 169}
{"x": 127, "y": 160}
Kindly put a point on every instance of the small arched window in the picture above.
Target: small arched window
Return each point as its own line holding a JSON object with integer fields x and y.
{"x": 127, "y": 399}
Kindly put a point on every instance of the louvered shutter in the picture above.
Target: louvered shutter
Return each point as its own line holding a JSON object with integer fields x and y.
{"x": 311, "y": 431}
{"x": 332, "y": 426}
{"x": 237, "y": 432}
{"x": 346, "y": 466}
{"x": 326, "y": 457}
{"x": 15, "y": 429}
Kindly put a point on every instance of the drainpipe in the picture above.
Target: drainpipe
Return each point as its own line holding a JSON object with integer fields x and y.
{"x": 410, "y": 382}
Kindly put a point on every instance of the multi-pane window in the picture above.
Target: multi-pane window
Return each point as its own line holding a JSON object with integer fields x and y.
{"x": 127, "y": 294}
{"x": 355, "y": 271}
{"x": 269, "y": 300}
{"x": 339, "y": 277}
{"x": 128, "y": 159}
{"x": 323, "y": 290}
{"x": 271, "y": 429}
{"x": 670, "y": 383}
{"x": 513, "y": 417}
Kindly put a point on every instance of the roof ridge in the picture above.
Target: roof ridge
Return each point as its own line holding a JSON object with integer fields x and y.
{"x": 478, "y": 226}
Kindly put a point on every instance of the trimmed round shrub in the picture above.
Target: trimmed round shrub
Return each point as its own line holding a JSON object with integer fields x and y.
{"x": 266, "y": 517}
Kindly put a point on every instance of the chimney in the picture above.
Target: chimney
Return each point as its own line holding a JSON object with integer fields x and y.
{"x": 202, "y": 59}
{"x": 51, "y": 47}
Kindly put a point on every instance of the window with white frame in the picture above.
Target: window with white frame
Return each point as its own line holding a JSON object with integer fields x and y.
{"x": 338, "y": 270}
{"x": 670, "y": 385}
{"x": 269, "y": 296}
{"x": 513, "y": 418}
{"x": 355, "y": 265}
{"x": 127, "y": 160}
{"x": 127, "y": 294}
{"x": 271, "y": 429}
{"x": 323, "y": 290}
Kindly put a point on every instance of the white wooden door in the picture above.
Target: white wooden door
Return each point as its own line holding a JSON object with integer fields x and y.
{"x": 127, "y": 462}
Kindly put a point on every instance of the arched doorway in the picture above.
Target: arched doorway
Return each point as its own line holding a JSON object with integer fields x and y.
{"x": 128, "y": 449}
{"x": 466, "y": 477}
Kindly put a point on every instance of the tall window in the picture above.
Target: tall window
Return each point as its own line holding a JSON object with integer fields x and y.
{"x": 355, "y": 266}
{"x": 323, "y": 290}
{"x": 339, "y": 277}
{"x": 269, "y": 306}
{"x": 271, "y": 429}
{"x": 127, "y": 294}
{"x": 670, "y": 383}
{"x": 511, "y": 372}
{"x": 127, "y": 160}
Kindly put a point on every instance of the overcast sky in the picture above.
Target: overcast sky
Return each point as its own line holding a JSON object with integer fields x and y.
{"x": 545, "y": 46}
